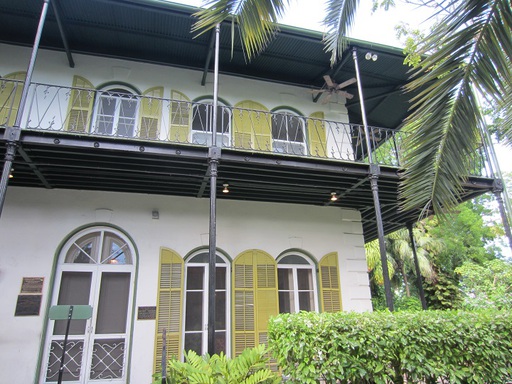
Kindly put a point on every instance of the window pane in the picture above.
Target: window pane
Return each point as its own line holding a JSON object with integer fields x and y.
{"x": 75, "y": 288}
{"x": 194, "y": 311}
{"x": 127, "y": 112}
{"x": 279, "y": 127}
{"x": 195, "y": 277}
{"x": 293, "y": 259}
{"x": 284, "y": 278}
{"x": 223, "y": 119}
{"x": 305, "y": 279}
{"x": 306, "y": 301}
{"x": 220, "y": 310}
{"x": 81, "y": 253}
{"x": 286, "y": 302}
{"x": 220, "y": 342}
{"x": 107, "y": 359}
{"x": 113, "y": 303}
{"x": 199, "y": 122}
{"x": 115, "y": 251}
{"x": 295, "y": 132}
{"x": 220, "y": 278}
{"x": 105, "y": 119}
{"x": 193, "y": 341}
{"x": 72, "y": 361}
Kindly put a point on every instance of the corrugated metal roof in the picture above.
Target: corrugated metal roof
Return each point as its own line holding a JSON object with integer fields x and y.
{"x": 158, "y": 31}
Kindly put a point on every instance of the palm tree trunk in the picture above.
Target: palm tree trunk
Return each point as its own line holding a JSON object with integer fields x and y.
{"x": 406, "y": 282}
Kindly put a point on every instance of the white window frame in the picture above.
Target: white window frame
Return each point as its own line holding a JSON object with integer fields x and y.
{"x": 116, "y": 92}
{"x": 190, "y": 263}
{"x": 290, "y": 147}
{"x": 204, "y": 137}
{"x": 294, "y": 268}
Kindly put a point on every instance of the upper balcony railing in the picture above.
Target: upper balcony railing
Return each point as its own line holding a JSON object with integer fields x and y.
{"x": 121, "y": 114}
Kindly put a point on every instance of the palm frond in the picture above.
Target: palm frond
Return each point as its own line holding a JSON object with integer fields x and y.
{"x": 471, "y": 50}
{"x": 339, "y": 18}
{"x": 256, "y": 20}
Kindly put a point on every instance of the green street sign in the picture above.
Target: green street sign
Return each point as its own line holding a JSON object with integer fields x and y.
{"x": 61, "y": 312}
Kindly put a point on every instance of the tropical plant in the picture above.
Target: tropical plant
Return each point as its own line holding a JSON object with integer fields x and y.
{"x": 250, "y": 367}
{"x": 469, "y": 51}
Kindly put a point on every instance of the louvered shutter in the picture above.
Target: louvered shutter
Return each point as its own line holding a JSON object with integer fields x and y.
{"x": 316, "y": 135}
{"x": 169, "y": 305}
{"x": 180, "y": 117}
{"x": 255, "y": 298}
{"x": 252, "y": 127}
{"x": 10, "y": 97}
{"x": 329, "y": 283}
{"x": 151, "y": 113}
{"x": 80, "y": 105}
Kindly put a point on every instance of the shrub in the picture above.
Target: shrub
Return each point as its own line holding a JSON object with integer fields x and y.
{"x": 248, "y": 368}
{"x": 429, "y": 346}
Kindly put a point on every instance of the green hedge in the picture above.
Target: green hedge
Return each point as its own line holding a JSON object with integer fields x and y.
{"x": 383, "y": 347}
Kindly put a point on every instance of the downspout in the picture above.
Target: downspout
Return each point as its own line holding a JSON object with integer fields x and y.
{"x": 374, "y": 171}
{"x": 214, "y": 156}
{"x": 12, "y": 134}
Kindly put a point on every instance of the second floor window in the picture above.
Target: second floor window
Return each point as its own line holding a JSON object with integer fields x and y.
{"x": 116, "y": 113}
{"x": 288, "y": 133}
{"x": 202, "y": 122}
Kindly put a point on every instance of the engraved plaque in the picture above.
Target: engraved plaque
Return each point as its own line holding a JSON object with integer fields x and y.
{"x": 146, "y": 313}
{"x": 28, "y": 305}
{"x": 32, "y": 285}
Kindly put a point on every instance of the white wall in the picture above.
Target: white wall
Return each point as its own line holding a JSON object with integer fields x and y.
{"x": 35, "y": 221}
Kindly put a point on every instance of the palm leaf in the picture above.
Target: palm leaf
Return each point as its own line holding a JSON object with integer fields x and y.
{"x": 471, "y": 50}
{"x": 256, "y": 20}
{"x": 339, "y": 18}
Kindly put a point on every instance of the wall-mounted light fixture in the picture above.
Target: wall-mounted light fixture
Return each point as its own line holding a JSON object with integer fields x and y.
{"x": 226, "y": 188}
{"x": 10, "y": 173}
{"x": 333, "y": 196}
{"x": 371, "y": 56}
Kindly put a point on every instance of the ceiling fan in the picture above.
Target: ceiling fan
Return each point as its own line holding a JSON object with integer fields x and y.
{"x": 331, "y": 88}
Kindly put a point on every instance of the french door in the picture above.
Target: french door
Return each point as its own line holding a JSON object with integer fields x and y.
{"x": 196, "y": 305}
{"x": 96, "y": 270}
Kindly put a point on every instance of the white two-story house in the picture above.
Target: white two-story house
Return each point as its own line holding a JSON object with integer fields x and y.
{"x": 108, "y": 198}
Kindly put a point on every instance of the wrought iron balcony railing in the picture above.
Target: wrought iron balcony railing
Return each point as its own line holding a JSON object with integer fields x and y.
{"x": 121, "y": 114}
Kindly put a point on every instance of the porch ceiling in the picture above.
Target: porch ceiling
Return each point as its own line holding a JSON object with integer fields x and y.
{"x": 56, "y": 160}
{"x": 158, "y": 31}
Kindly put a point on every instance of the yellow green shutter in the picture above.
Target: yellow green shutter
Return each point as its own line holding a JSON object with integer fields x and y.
{"x": 80, "y": 105}
{"x": 10, "y": 97}
{"x": 255, "y": 298}
{"x": 169, "y": 305}
{"x": 252, "y": 126}
{"x": 316, "y": 135}
{"x": 151, "y": 113}
{"x": 180, "y": 117}
{"x": 330, "y": 293}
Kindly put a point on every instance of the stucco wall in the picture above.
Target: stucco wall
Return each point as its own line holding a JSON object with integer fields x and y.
{"x": 35, "y": 221}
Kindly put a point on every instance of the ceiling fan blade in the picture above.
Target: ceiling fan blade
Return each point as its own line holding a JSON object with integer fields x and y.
{"x": 347, "y": 95}
{"x": 328, "y": 81}
{"x": 346, "y": 83}
{"x": 316, "y": 91}
{"x": 327, "y": 98}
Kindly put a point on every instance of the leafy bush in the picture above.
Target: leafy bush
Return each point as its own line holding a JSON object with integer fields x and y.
{"x": 248, "y": 368}
{"x": 430, "y": 346}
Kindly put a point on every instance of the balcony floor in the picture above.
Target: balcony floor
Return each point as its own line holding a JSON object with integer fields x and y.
{"x": 61, "y": 160}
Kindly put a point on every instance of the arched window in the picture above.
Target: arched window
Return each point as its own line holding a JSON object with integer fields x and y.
{"x": 116, "y": 112}
{"x": 196, "y": 303}
{"x": 288, "y": 133}
{"x": 296, "y": 282}
{"x": 202, "y": 122}
{"x": 96, "y": 268}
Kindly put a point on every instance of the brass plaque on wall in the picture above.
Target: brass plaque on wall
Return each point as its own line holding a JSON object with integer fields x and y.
{"x": 32, "y": 285}
{"x": 146, "y": 313}
{"x": 28, "y": 305}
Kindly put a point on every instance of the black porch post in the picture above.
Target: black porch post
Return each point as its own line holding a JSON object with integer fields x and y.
{"x": 374, "y": 171}
{"x": 214, "y": 156}
{"x": 12, "y": 134}
{"x": 419, "y": 279}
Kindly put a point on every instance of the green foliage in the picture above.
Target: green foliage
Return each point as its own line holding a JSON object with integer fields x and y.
{"x": 444, "y": 293}
{"x": 407, "y": 303}
{"x": 248, "y": 368}
{"x": 486, "y": 286}
{"x": 383, "y": 347}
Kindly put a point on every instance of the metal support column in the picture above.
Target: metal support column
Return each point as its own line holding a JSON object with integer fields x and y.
{"x": 214, "y": 156}
{"x": 374, "y": 176}
{"x": 419, "y": 279}
{"x": 12, "y": 134}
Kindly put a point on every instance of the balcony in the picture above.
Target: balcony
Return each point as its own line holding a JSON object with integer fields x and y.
{"x": 79, "y": 138}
